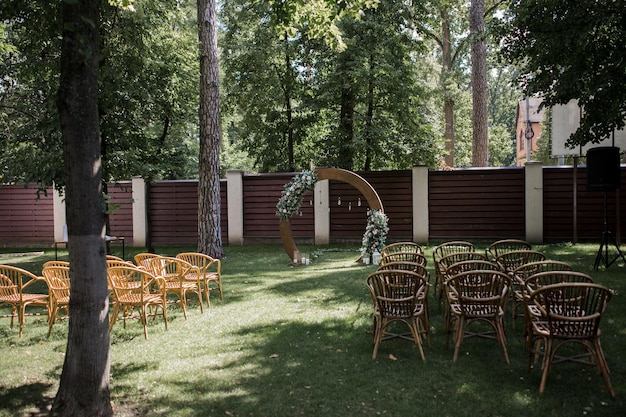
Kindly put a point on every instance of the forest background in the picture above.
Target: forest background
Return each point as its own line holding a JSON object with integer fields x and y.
{"x": 376, "y": 100}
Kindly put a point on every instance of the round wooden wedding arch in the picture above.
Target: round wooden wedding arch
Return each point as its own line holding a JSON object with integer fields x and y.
{"x": 338, "y": 174}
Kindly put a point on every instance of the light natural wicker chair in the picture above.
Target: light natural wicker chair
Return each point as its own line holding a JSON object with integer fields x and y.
{"x": 132, "y": 288}
{"x": 398, "y": 296}
{"x": 570, "y": 314}
{"x": 14, "y": 283}
{"x": 210, "y": 272}
{"x": 180, "y": 278}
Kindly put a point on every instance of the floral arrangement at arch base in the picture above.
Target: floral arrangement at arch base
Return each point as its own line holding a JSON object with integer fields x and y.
{"x": 375, "y": 232}
{"x": 291, "y": 197}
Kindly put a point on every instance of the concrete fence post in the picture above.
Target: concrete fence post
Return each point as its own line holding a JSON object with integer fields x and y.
{"x": 58, "y": 207}
{"x": 420, "y": 204}
{"x": 140, "y": 212}
{"x": 533, "y": 172}
{"x": 234, "y": 199}
{"x": 321, "y": 212}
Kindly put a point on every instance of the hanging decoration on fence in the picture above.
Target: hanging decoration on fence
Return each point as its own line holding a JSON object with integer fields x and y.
{"x": 293, "y": 194}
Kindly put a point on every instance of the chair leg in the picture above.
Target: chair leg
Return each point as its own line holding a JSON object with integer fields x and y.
{"x": 603, "y": 366}
{"x": 547, "y": 363}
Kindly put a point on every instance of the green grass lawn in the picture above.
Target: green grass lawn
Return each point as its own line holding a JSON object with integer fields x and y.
{"x": 298, "y": 341}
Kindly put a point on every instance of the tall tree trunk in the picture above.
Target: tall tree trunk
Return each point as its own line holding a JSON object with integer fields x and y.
{"x": 287, "y": 86}
{"x": 369, "y": 118}
{"x": 84, "y": 385}
{"x": 448, "y": 101}
{"x": 480, "y": 141}
{"x": 209, "y": 227}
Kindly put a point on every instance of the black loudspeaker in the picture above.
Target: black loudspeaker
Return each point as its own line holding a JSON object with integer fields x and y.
{"x": 603, "y": 168}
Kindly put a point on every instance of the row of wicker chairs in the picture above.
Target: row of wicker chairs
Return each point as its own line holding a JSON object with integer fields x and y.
{"x": 143, "y": 285}
{"x": 559, "y": 306}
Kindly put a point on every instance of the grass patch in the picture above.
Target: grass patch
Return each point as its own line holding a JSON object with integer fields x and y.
{"x": 297, "y": 341}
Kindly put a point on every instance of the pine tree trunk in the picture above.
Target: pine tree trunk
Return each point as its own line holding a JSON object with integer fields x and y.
{"x": 209, "y": 227}
{"x": 84, "y": 385}
{"x": 448, "y": 103}
{"x": 480, "y": 141}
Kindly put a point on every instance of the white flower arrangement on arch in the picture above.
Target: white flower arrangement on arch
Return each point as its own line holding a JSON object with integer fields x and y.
{"x": 375, "y": 232}
{"x": 291, "y": 197}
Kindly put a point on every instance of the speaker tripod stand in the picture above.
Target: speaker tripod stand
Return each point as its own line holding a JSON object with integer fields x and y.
{"x": 607, "y": 240}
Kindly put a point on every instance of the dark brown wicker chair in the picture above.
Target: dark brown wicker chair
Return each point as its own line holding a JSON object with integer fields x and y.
{"x": 398, "y": 296}
{"x": 570, "y": 314}
{"x": 499, "y": 247}
{"x": 480, "y": 296}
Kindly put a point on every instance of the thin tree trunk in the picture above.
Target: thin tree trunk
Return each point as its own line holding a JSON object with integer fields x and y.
{"x": 209, "y": 227}
{"x": 369, "y": 118}
{"x": 84, "y": 385}
{"x": 287, "y": 89}
{"x": 448, "y": 103}
{"x": 480, "y": 141}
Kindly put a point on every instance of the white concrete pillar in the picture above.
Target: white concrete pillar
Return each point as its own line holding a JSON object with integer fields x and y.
{"x": 140, "y": 212}
{"x": 234, "y": 199}
{"x": 58, "y": 207}
{"x": 420, "y": 204}
{"x": 534, "y": 201}
{"x": 321, "y": 210}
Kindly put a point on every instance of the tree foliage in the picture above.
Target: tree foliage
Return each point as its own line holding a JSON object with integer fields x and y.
{"x": 573, "y": 50}
{"x": 148, "y": 87}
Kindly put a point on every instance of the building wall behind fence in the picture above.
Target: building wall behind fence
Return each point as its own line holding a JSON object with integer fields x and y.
{"x": 473, "y": 204}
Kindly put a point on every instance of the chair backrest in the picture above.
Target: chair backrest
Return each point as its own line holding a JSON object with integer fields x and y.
{"x": 200, "y": 260}
{"x": 13, "y": 280}
{"x": 572, "y": 310}
{"x": 414, "y": 257}
{"x": 479, "y": 288}
{"x": 124, "y": 279}
{"x": 55, "y": 263}
{"x": 58, "y": 280}
{"x": 471, "y": 265}
{"x": 119, "y": 262}
{"x": 448, "y": 248}
{"x": 446, "y": 261}
{"x": 542, "y": 279}
{"x": 511, "y": 260}
{"x": 144, "y": 259}
{"x": 396, "y": 292}
{"x": 407, "y": 266}
{"x": 499, "y": 247}
{"x": 531, "y": 268}
{"x": 170, "y": 268}
{"x": 401, "y": 247}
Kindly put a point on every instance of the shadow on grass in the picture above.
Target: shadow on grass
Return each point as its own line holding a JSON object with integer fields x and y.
{"x": 21, "y": 397}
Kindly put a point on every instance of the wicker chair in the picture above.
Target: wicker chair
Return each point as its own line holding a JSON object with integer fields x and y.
{"x": 535, "y": 282}
{"x": 479, "y": 295}
{"x": 58, "y": 280}
{"x": 511, "y": 260}
{"x": 13, "y": 292}
{"x": 143, "y": 260}
{"x": 499, "y": 247}
{"x": 133, "y": 288}
{"x": 180, "y": 278}
{"x": 398, "y": 296}
{"x": 455, "y": 269}
{"x": 210, "y": 271}
{"x": 570, "y": 314}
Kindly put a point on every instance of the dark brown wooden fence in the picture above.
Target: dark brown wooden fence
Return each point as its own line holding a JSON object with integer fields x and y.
{"x": 26, "y": 218}
{"x": 474, "y": 204}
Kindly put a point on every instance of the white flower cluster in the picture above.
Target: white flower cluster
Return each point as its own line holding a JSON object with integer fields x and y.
{"x": 375, "y": 232}
{"x": 292, "y": 195}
